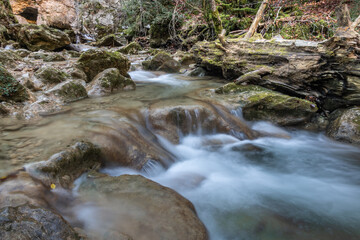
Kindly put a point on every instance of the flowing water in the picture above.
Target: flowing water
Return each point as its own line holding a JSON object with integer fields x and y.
{"x": 299, "y": 186}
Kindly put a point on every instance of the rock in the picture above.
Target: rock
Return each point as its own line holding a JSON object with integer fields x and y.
{"x": 78, "y": 74}
{"x": 345, "y": 125}
{"x": 259, "y": 103}
{"x": 131, "y": 48}
{"x": 42, "y": 37}
{"x": 108, "y": 81}
{"x": 64, "y": 167}
{"x": 197, "y": 72}
{"x": 95, "y": 61}
{"x": 3, "y": 35}
{"x": 50, "y": 75}
{"x": 144, "y": 209}
{"x": 9, "y": 58}
{"x": 110, "y": 41}
{"x": 6, "y": 14}
{"x": 57, "y": 57}
{"x": 22, "y": 52}
{"x": 31, "y": 222}
{"x": 159, "y": 34}
{"x": 162, "y": 62}
{"x": 70, "y": 91}
{"x": 10, "y": 89}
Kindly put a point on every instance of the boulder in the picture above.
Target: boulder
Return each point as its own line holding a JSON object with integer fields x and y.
{"x": 42, "y": 37}
{"x": 159, "y": 34}
{"x": 64, "y": 167}
{"x": 162, "y": 62}
{"x": 108, "y": 81}
{"x": 70, "y": 91}
{"x": 56, "y": 57}
{"x": 10, "y": 88}
{"x": 6, "y": 14}
{"x": 50, "y": 75}
{"x": 32, "y": 222}
{"x": 143, "y": 209}
{"x": 131, "y": 48}
{"x": 95, "y": 61}
{"x": 345, "y": 125}
{"x": 259, "y": 103}
{"x": 110, "y": 41}
{"x": 9, "y": 58}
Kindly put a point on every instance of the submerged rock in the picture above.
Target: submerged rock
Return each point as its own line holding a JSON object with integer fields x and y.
{"x": 259, "y": 103}
{"x": 42, "y": 37}
{"x": 144, "y": 209}
{"x": 108, "y": 81}
{"x": 345, "y": 125}
{"x": 31, "y": 222}
{"x": 131, "y": 48}
{"x": 10, "y": 88}
{"x": 64, "y": 167}
{"x": 162, "y": 62}
{"x": 50, "y": 75}
{"x": 95, "y": 61}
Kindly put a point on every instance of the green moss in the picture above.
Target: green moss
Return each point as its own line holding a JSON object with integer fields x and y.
{"x": 10, "y": 89}
{"x": 132, "y": 48}
{"x": 72, "y": 91}
{"x": 51, "y": 75}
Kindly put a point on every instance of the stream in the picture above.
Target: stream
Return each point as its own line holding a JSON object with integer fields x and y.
{"x": 299, "y": 186}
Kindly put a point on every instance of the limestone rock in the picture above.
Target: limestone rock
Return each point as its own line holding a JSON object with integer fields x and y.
{"x": 95, "y": 61}
{"x": 70, "y": 91}
{"x": 50, "y": 75}
{"x": 108, "y": 81}
{"x": 110, "y": 41}
{"x": 30, "y": 222}
{"x": 42, "y": 37}
{"x": 10, "y": 89}
{"x": 162, "y": 62}
{"x": 64, "y": 167}
{"x": 144, "y": 209}
{"x": 131, "y": 48}
{"x": 345, "y": 125}
{"x": 259, "y": 103}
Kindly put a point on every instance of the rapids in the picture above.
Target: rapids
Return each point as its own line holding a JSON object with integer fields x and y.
{"x": 301, "y": 185}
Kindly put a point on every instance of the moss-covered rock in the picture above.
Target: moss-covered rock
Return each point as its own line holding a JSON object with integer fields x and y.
{"x": 162, "y": 62}
{"x": 70, "y": 91}
{"x": 64, "y": 167}
{"x": 6, "y": 14}
{"x": 131, "y": 48}
{"x": 259, "y": 103}
{"x": 108, "y": 81}
{"x": 159, "y": 34}
{"x": 56, "y": 57}
{"x": 111, "y": 41}
{"x": 345, "y": 125}
{"x": 50, "y": 75}
{"x": 9, "y": 58}
{"x": 36, "y": 37}
{"x": 10, "y": 89}
{"x": 95, "y": 61}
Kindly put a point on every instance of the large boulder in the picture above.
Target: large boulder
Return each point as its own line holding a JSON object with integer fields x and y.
{"x": 162, "y": 62}
{"x": 111, "y": 41}
{"x": 42, "y": 37}
{"x": 131, "y": 48}
{"x": 32, "y": 222}
{"x": 345, "y": 125}
{"x": 10, "y": 89}
{"x": 95, "y": 61}
{"x": 259, "y": 103}
{"x": 64, "y": 167}
{"x": 108, "y": 81}
{"x": 142, "y": 209}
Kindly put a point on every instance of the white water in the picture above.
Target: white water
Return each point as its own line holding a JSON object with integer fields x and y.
{"x": 150, "y": 77}
{"x": 308, "y": 179}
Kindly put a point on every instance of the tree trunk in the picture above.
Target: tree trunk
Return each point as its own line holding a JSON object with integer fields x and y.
{"x": 212, "y": 16}
{"x": 257, "y": 19}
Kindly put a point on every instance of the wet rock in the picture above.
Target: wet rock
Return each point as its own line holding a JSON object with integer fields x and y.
{"x": 108, "y": 81}
{"x": 42, "y": 37}
{"x": 31, "y": 222}
{"x": 144, "y": 209}
{"x": 95, "y": 61}
{"x": 10, "y": 88}
{"x": 64, "y": 167}
{"x": 110, "y": 41}
{"x": 131, "y": 48}
{"x": 259, "y": 103}
{"x": 162, "y": 62}
{"x": 197, "y": 72}
{"x": 57, "y": 57}
{"x": 78, "y": 74}
{"x": 50, "y": 75}
{"x": 70, "y": 91}
{"x": 345, "y": 125}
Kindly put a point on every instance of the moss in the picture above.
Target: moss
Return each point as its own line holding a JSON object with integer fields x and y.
{"x": 10, "y": 89}
{"x": 132, "y": 48}
{"x": 72, "y": 91}
{"x": 51, "y": 75}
